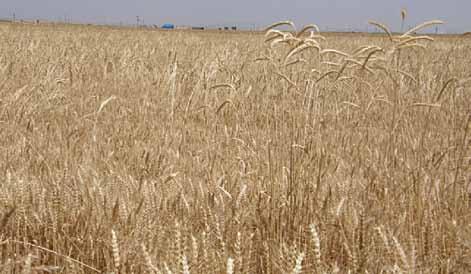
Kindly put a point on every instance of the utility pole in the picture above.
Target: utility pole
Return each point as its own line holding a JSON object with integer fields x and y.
{"x": 14, "y": 17}
{"x": 137, "y": 20}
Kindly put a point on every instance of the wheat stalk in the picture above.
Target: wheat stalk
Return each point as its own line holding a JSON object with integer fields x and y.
{"x": 55, "y": 254}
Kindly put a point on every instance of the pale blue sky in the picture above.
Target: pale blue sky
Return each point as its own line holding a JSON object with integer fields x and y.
{"x": 332, "y": 14}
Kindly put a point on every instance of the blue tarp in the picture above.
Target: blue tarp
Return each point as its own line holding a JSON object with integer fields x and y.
{"x": 168, "y": 26}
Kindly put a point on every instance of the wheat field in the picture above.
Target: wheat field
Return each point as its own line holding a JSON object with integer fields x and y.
{"x": 141, "y": 151}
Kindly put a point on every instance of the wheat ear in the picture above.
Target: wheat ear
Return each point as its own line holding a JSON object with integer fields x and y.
{"x": 230, "y": 266}
{"x": 280, "y": 23}
{"x": 115, "y": 250}
{"x": 383, "y": 27}
{"x": 150, "y": 266}
{"x": 403, "y": 14}
{"x": 299, "y": 49}
{"x": 413, "y": 39}
{"x": 298, "y": 268}
{"x": 421, "y": 26}
{"x": 317, "y": 244}
{"x": 185, "y": 265}
{"x": 338, "y": 52}
{"x": 306, "y": 28}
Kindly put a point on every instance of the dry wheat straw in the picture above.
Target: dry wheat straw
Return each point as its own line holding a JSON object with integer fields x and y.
{"x": 56, "y": 254}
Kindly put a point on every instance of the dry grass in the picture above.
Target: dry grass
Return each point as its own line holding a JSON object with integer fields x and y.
{"x": 134, "y": 151}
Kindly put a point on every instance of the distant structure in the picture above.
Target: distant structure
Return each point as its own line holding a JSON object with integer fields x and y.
{"x": 227, "y": 28}
{"x": 197, "y": 28}
{"x": 168, "y": 26}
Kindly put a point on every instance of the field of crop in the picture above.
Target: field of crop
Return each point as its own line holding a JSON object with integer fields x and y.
{"x": 140, "y": 151}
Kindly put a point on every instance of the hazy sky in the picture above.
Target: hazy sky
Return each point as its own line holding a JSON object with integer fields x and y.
{"x": 332, "y": 14}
